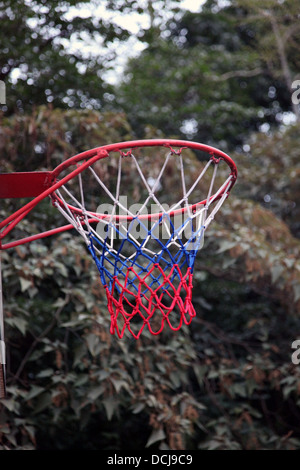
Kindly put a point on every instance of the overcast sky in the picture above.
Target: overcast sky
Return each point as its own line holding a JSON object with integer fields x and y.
{"x": 123, "y": 50}
{"x": 133, "y": 22}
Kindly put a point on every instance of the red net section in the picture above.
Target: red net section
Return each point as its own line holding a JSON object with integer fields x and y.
{"x": 150, "y": 307}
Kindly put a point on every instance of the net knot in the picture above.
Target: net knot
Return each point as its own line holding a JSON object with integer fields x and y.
{"x": 175, "y": 152}
{"x": 215, "y": 159}
{"x": 126, "y": 154}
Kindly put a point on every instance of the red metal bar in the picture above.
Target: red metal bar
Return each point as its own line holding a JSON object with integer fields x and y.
{"x": 30, "y": 205}
{"x": 24, "y": 184}
{"x": 37, "y": 236}
{"x": 170, "y": 143}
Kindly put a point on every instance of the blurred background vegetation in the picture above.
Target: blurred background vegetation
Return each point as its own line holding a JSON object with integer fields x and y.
{"x": 81, "y": 74}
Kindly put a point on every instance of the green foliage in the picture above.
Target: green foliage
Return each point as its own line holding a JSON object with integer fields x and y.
{"x": 275, "y": 157}
{"x": 59, "y": 51}
{"x": 206, "y": 78}
{"x": 225, "y": 382}
{"x": 48, "y": 70}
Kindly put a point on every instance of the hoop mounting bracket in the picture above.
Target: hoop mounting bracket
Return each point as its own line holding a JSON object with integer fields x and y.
{"x": 24, "y": 184}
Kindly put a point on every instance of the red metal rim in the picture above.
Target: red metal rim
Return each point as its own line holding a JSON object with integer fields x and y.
{"x": 88, "y": 158}
{"x": 105, "y": 150}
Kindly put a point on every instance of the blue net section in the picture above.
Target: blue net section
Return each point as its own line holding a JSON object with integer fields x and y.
{"x": 116, "y": 263}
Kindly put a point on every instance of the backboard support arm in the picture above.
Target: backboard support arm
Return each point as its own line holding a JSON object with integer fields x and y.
{"x": 24, "y": 184}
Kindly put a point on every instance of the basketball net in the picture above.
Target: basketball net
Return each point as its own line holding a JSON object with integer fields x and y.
{"x": 146, "y": 261}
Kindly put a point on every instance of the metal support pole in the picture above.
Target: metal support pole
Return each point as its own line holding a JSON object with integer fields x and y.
{"x": 2, "y": 343}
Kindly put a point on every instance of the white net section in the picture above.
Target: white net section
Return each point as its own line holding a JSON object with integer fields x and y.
{"x": 182, "y": 218}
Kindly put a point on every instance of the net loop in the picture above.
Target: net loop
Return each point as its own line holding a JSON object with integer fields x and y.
{"x": 126, "y": 154}
{"x": 176, "y": 152}
{"x": 148, "y": 300}
{"x": 215, "y": 159}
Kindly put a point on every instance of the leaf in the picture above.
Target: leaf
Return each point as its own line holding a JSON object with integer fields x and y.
{"x": 103, "y": 374}
{"x": 296, "y": 289}
{"x": 96, "y": 392}
{"x": 11, "y": 405}
{"x": 43, "y": 402}
{"x": 276, "y": 272}
{"x": 60, "y": 302}
{"x": 19, "y": 323}
{"x": 31, "y": 432}
{"x": 228, "y": 262}
{"x": 81, "y": 380}
{"x": 93, "y": 344}
{"x": 289, "y": 262}
{"x": 214, "y": 445}
{"x": 138, "y": 408}
{"x": 238, "y": 389}
{"x": 61, "y": 268}
{"x": 225, "y": 245}
{"x": 79, "y": 353}
{"x": 156, "y": 435}
{"x": 110, "y": 405}
{"x": 35, "y": 390}
{"x": 200, "y": 372}
{"x": 25, "y": 284}
{"x": 11, "y": 438}
{"x": 213, "y": 374}
{"x": 118, "y": 384}
{"x": 5, "y": 429}
{"x": 45, "y": 373}
{"x": 161, "y": 367}
{"x": 175, "y": 379}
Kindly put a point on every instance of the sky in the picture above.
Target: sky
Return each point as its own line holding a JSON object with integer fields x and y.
{"x": 124, "y": 50}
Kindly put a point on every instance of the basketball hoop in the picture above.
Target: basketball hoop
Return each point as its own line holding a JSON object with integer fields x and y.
{"x": 147, "y": 279}
{"x": 144, "y": 249}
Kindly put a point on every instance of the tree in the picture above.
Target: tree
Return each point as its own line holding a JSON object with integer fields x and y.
{"x": 225, "y": 382}
{"x": 37, "y": 63}
{"x": 277, "y": 38}
{"x": 204, "y": 78}
{"x": 228, "y": 380}
{"x": 58, "y": 52}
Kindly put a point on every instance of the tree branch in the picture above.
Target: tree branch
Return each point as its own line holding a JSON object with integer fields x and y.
{"x": 240, "y": 73}
{"x": 39, "y": 338}
{"x": 282, "y": 56}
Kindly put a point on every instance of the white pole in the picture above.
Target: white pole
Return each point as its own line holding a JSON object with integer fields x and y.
{"x": 2, "y": 343}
